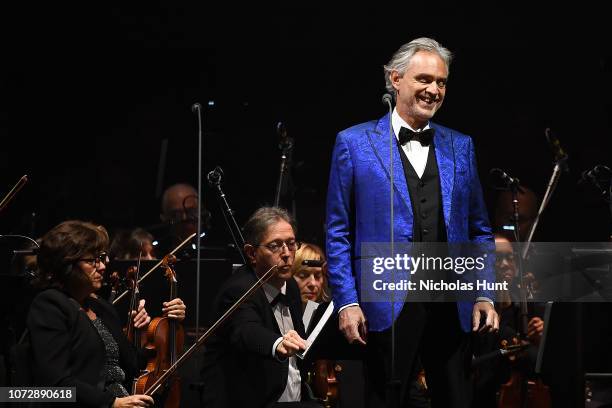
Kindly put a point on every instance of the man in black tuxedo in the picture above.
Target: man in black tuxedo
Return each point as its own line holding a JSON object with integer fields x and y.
{"x": 250, "y": 361}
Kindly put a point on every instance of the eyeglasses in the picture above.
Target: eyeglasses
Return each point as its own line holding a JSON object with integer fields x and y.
{"x": 95, "y": 262}
{"x": 501, "y": 256}
{"x": 188, "y": 213}
{"x": 277, "y": 246}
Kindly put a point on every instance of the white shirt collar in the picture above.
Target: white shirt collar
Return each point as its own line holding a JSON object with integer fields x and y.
{"x": 271, "y": 291}
{"x": 397, "y": 122}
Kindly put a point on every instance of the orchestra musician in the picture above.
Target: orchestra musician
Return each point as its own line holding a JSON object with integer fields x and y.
{"x": 312, "y": 280}
{"x": 179, "y": 216}
{"x": 492, "y": 375}
{"x": 76, "y": 337}
{"x": 132, "y": 244}
{"x": 250, "y": 361}
{"x": 504, "y": 212}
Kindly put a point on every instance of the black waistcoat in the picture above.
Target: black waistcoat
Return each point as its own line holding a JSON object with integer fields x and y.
{"x": 428, "y": 225}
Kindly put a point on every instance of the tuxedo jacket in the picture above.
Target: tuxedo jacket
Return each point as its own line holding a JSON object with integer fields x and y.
{"x": 358, "y": 208}
{"x": 239, "y": 369}
{"x": 67, "y": 350}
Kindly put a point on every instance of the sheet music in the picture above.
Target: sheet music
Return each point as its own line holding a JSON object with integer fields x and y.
{"x": 309, "y": 312}
{"x": 543, "y": 345}
{"x": 315, "y": 332}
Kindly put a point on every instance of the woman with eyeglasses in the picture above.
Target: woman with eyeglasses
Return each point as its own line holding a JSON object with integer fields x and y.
{"x": 76, "y": 337}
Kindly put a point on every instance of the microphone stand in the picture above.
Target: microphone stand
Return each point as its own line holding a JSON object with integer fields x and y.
{"x": 197, "y": 109}
{"x": 524, "y": 313}
{"x": 552, "y": 184}
{"x": 286, "y": 147}
{"x": 394, "y": 387}
{"x": 513, "y": 185}
{"x": 560, "y": 165}
{"x": 214, "y": 179}
{"x": 519, "y": 260}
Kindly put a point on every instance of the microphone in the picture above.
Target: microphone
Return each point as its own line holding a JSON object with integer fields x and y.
{"x": 594, "y": 173}
{"x": 510, "y": 181}
{"x": 599, "y": 176}
{"x": 387, "y": 99}
{"x": 286, "y": 142}
{"x": 214, "y": 176}
{"x": 196, "y": 107}
{"x": 281, "y": 130}
{"x": 558, "y": 152}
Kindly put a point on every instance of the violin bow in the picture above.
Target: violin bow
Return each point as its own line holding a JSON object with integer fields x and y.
{"x": 11, "y": 194}
{"x": 157, "y": 265}
{"x": 161, "y": 379}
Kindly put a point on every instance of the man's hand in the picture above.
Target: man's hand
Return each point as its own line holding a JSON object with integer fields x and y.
{"x": 133, "y": 401}
{"x": 291, "y": 344}
{"x": 352, "y": 324}
{"x": 535, "y": 328}
{"x": 485, "y": 309}
{"x": 141, "y": 318}
{"x": 174, "y": 309}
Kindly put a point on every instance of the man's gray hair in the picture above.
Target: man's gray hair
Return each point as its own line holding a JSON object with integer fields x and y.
{"x": 401, "y": 59}
{"x": 258, "y": 223}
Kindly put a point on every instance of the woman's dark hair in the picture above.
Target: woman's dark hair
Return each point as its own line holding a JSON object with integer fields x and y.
{"x": 63, "y": 246}
{"x": 126, "y": 244}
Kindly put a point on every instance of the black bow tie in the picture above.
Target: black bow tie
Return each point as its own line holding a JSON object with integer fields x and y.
{"x": 280, "y": 298}
{"x": 425, "y": 136}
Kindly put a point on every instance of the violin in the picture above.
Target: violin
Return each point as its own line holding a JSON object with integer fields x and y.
{"x": 164, "y": 343}
{"x": 519, "y": 391}
{"x": 114, "y": 281}
{"x": 323, "y": 378}
{"x": 157, "y": 265}
{"x": 131, "y": 332}
{"x": 170, "y": 372}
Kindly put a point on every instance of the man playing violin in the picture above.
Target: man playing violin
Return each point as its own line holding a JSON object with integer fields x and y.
{"x": 251, "y": 361}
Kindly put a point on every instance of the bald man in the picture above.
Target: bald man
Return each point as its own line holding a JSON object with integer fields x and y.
{"x": 180, "y": 210}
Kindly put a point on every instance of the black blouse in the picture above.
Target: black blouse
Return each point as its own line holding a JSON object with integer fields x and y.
{"x": 67, "y": 350}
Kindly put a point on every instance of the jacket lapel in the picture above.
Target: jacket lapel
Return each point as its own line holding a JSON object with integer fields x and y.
{"x": 295, "y": 308}
{"x": 443, "y": 142}
{"x": 379, "y": 139}
{"x": 262, "y": 300}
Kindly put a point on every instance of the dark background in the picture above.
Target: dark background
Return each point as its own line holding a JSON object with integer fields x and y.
{"x": 89, "y": 91}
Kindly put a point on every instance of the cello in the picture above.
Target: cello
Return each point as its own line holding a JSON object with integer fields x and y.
{"x": 164, "y": 343}
{"x": 520, "y": 391}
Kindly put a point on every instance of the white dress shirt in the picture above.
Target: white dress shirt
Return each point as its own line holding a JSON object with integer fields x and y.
{"x": 293, "y": 389}
{"x": 416, "y": 153}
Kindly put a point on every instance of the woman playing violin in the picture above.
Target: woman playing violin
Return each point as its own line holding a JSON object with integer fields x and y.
{"x": 76, "y": 337}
